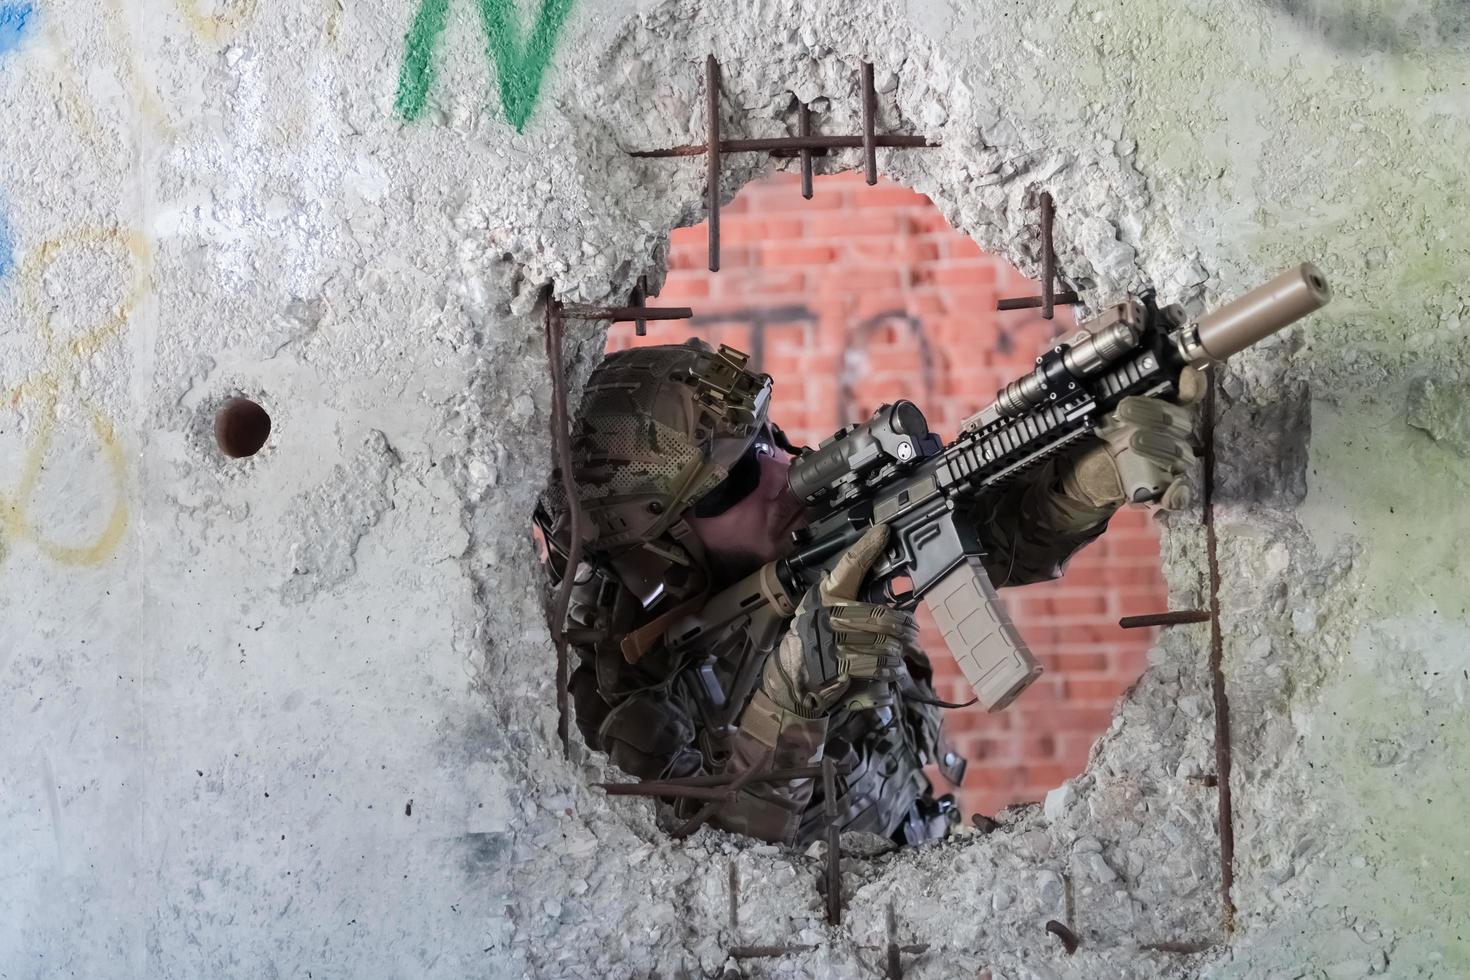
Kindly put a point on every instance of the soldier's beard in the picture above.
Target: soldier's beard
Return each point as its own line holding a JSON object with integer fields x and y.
{"x": 754, "y": 531}
{"x": 729, "y": 563}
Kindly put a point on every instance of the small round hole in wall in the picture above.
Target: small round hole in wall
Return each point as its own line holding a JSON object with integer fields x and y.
{"x": 241, "y": 427}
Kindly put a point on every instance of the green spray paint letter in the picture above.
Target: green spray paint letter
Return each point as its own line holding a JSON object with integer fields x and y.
{"x": 519, "y": 65}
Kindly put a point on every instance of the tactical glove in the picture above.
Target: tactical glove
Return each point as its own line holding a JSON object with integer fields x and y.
{"x": 1147, "y": 446}
{"x": 836, "y": 638}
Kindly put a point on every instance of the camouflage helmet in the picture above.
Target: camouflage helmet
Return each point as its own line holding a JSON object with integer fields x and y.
{"x": 658, "y": 428}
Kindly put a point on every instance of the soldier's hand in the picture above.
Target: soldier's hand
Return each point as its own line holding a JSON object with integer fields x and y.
{"x": 1146, "y": 449}
{"x": 836, "y": 638}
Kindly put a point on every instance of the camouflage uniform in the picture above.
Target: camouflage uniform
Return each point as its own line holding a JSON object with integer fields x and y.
{"x": 658, "y": 428}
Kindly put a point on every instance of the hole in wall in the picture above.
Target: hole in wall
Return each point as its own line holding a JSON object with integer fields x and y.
{"x": 865, "y": 295}
{"x": 241, "y": 427}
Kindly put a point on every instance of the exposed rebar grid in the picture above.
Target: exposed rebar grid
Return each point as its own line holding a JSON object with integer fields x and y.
{"x": 1049, "y": 298}
{"x": 805, "y": 145}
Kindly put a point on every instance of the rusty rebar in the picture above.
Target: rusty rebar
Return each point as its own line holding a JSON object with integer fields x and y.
{"x": 1224, "y": 808}
{"x": 622, "y": 314}
{"x": 653, "y": 787}
{"x": 894, "y": 965}
{"x": 1069, "y": 901}
{"x": 789, "y": 145}
{"x": 1064, "y": 298}
{"x": 695, "y": 822}
{"x": 834, "y": 842}
{"x": 638, "y": 300}
{"x": 562, "y": 446}
{"x": 804, "y": 127}
{"x": 712, "y": 154}
{"x": 734, "y": 889}
{"x": 1173, "y": 947}
{"x": 1067, "y": 936}
{"x": 1050, "y": 298}
{"x": 672, "y": 792}
{"x": 1048, "y": 260}
{"x": 708, "y": 810}
{"x": 870, "y": 125}
{"x": 759, "y": 952}
{"x": 1179, "y": 618}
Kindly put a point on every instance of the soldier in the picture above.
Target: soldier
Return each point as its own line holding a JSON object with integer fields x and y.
{"x": 682, "y": 479}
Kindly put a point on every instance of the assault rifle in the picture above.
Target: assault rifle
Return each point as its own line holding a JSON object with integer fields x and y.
{"x": 892, "y": 469}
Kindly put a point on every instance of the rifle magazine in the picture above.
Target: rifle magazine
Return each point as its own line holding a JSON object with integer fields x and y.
{"x": 985, "y": 643}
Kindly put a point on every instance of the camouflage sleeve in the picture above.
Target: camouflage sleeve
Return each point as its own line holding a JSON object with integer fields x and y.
{"x": 770, "y": 737}
{"x": 652, "y": 736}
{"x": 1035, "y": 526}
{"x": 648, "y": 735}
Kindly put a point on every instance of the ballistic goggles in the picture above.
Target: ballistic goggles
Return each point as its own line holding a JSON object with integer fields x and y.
{"x": 742, "y": 479}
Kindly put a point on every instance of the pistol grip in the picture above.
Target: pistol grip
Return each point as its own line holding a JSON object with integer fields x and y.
{"x": 982, "y": 638}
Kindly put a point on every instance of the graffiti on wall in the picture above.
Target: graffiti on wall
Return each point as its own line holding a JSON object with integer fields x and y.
{"x": 7, "y": 244}
{"x": 855, "y": 356}
{"x": 757, "y": 319}
{"x": 56, "y": 391}
{"x": 13, "y": 20}
{"x": 219, "y": 25}
{"x": 519, "y": 61}
{"x": 757, "y": 322}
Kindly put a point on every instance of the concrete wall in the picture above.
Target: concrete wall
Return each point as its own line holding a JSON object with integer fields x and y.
{"x": 293, "y": 715}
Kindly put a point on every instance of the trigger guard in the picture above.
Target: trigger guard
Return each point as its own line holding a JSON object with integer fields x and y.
{"x": 880, "y": 593}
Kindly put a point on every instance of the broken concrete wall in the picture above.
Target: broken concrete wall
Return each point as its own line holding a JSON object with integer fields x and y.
{"x": 294, "y": 713}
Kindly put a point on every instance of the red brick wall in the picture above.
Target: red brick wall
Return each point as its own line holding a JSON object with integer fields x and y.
{"x": 864, "y": 295}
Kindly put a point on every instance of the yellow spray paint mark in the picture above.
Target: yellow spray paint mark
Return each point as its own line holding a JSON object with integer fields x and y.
{"x": 216, "y": 27}
{"x": 57, "y": 381}
{"x": 72, "y": 100}
{"x": 143, "y": 94}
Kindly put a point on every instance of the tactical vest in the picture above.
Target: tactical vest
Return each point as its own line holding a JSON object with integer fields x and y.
{"x": 662, "y": 719}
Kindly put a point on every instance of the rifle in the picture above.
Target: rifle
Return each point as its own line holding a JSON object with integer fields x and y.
{"x": 892, "y": 469}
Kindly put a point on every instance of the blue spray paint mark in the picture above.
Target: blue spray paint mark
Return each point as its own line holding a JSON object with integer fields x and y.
{"x": 13, "y": 19}
{"x": 7, "y": 246}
